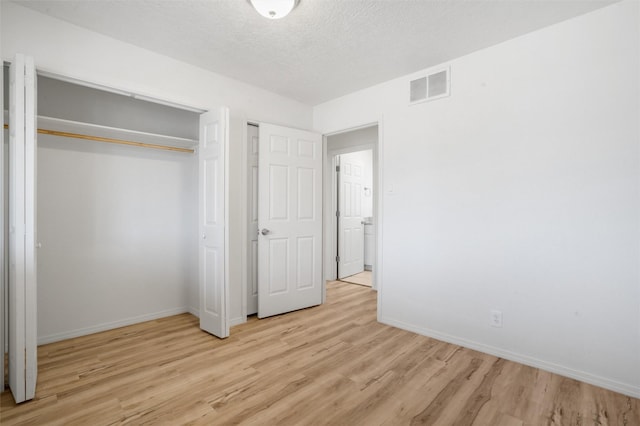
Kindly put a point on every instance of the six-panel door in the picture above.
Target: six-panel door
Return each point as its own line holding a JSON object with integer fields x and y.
{"x": 290, "y": 220}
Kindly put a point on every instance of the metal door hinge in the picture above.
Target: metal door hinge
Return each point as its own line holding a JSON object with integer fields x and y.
{"x": 337, "y": 213}
{"x": 337, "y": 258}
{"x": 337, "y": 168}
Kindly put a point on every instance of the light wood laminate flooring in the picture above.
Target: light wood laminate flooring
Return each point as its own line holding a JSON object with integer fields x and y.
{"x": 332, "y": 364}
{"x": 362, "y": 278}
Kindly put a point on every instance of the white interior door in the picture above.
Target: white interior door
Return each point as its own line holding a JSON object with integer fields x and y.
{"x": 22, "y": 230}
{"x": 252, "y": 231}
{"x": 290, "y": 220}
{"x": 350, "y": 220}
{"x": 214, "y": 291}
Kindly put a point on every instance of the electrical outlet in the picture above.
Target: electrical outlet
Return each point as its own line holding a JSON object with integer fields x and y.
{"x": 495, "y": 319}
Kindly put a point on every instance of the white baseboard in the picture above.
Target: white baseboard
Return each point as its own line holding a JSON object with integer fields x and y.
{"x": 583, "y": 376}
{"x": 43, "y": 340}
{"x": 194, "y": 311}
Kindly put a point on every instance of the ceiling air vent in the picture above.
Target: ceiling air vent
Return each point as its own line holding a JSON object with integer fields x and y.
{"x": 433, "y": 86}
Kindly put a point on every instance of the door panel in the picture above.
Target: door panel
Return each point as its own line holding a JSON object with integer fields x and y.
{"x": 290, "y": 220}
{"x": 16, "y": 230}
{"x": 279, "y": 192}
{"x": 22, "y": 230}
{"x": 306, "y": 185}
{"x": 212, "y": 297}
{"x": 30, "y": 288}
{"x": 305, "y": 262}
{"x": 278, "y": 276}
{"x": 212, "y": 219}
{"x": 350, "y": 221}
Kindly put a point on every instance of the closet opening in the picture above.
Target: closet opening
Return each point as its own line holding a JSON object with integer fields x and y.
{"x": 116, "y": 206}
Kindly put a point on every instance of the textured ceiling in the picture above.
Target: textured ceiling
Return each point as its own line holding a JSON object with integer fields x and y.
{"x": 325, "y": 48}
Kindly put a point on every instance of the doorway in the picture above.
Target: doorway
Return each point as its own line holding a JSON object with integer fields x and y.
{"x": 364, "y": 138}
{"x": 355, "y": 219}
{"x": 284, "y": 199}
{"x": 346, "y": 152}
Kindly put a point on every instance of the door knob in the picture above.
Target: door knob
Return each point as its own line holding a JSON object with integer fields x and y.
{"x": 265, "y": 231}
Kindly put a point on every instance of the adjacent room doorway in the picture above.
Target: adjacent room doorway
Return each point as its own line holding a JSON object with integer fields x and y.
{"x": 352, "y": 209}
{"x": 354, "y": 191}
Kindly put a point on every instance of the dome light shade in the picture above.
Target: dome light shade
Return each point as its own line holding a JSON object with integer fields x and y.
{"x": 274, "y": 9}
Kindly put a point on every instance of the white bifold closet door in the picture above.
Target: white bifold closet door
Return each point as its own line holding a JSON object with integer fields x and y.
{"x": 23, "y": 365}
{"x": 290, "y": 220}
{"x": 213, "y": 219}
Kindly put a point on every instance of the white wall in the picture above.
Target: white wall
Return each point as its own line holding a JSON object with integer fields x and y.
{"x": 355, "y": 139}
{"x": 115, "y": 224}
{"x": 520, "y": 192}
{"x": 65, "y": 49}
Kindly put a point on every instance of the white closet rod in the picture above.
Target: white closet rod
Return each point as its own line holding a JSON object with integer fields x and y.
{"x": 114, "y": 140}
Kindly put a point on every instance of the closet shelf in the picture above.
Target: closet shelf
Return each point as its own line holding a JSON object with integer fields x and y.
{"x": 94, "y": 132}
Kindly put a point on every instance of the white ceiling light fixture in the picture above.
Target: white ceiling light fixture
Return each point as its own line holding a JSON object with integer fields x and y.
{"x": 274, "y": 9}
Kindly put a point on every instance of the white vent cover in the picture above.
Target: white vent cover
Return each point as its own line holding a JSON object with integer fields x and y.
{"x": 433, "y": 86}
{"x": 418, "y": 90}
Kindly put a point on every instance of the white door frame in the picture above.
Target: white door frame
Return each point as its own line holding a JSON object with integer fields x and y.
{"x": 244, "y": 188}
{"x": 250, "y": 295}
{"x": 330, "y": 207}
{"x": 3, "y": 282}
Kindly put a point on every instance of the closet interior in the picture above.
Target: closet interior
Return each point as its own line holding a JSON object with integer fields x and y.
{"x": 117, "y": 198}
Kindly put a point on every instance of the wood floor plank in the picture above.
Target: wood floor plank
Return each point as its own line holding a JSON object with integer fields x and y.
{"x": 329, "y": 365}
